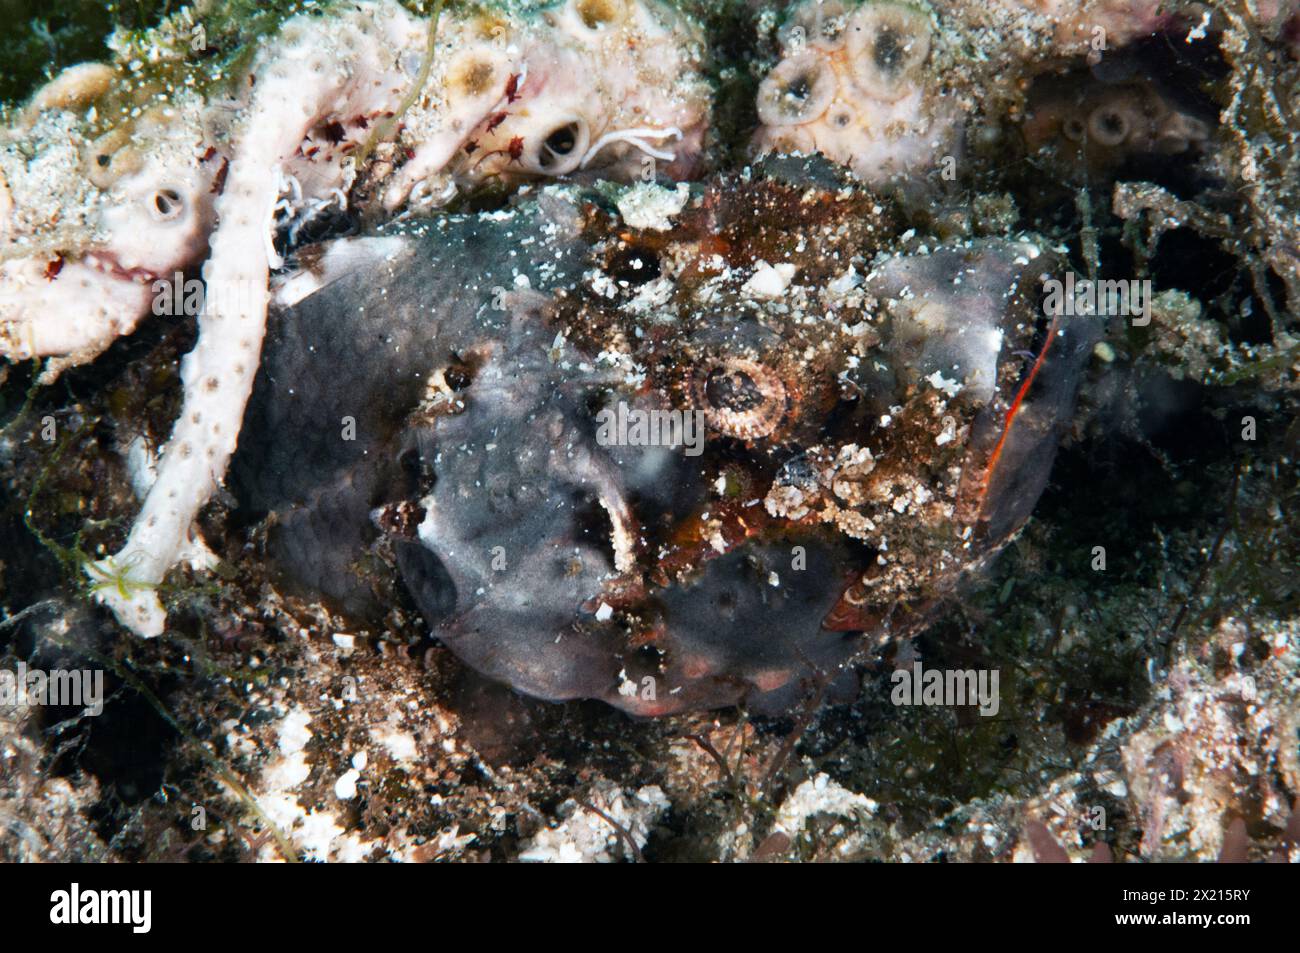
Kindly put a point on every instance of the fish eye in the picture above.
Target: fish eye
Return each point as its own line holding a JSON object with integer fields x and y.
{"x": 732, "y": 389}
{"x": 741, "y": 398}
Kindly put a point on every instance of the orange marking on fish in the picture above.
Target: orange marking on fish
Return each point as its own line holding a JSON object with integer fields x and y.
{"x": 1015, "y": 404}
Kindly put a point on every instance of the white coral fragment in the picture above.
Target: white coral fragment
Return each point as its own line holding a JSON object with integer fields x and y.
{"x": 820, "y": 795}
{"x": 584, "y": 836}
{"x": 649, "y": 206}
{"x": 769, "y": 281}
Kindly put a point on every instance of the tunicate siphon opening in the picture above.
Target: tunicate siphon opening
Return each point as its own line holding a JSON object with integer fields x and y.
{"x": 1109, "y": 125}
{"x": 561, "y": 149}
{"x": 820, "y": 25}
{"x": 598, "y": 14}
{"x": 887, "y": 44}
{"x": 798, "y": 91}
{"x": 473, "y": 75}
{"x": 110, "y": 157}
{"x": 166, "y": 205}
